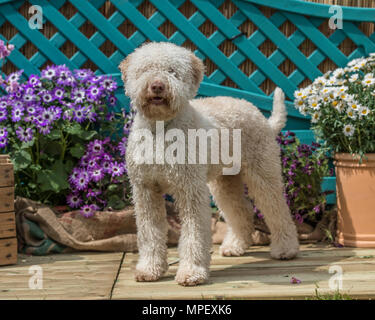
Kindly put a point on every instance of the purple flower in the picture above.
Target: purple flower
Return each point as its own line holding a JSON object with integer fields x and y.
{"x": 3, "y": 132}
{"x": 34, "y": 81}
{"x": 82, "y": 180}
{"x": 24, "y": 135}
{"x": 122, "y": 146}
{"x": 3, "y": 142}
{"x": 3, "y": 114}
{"x": 87, "y": 211}
{"x": 94, "y": 92}
{"x": 74, "y": 201}
{"x": 294, "y": 280}
{"x": 49, "y": 73}
{"x": 109, "y": 84}
{"x": 117, "y": 169}
{"x": 47, "y": 97}
{"x": 17, "y": 114}
{"x": 298, "y": 218}
{"x": 79, "y": 114}
{"x": 78, "y": 95}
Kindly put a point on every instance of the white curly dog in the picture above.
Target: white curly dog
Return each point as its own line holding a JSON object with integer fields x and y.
{"x": 161, "y": 80}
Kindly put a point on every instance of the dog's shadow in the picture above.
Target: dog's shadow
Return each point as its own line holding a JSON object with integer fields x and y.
{"x": 312, "y": 265}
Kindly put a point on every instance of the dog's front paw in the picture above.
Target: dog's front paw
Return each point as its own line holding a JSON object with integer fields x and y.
{"x": 232, "y": 250}
{"x": 285, "y": 250}
{"x": 191, "y": 276}
{"x": 149, "y": 272}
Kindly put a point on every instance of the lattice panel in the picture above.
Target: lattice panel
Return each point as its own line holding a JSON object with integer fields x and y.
{"x": 252, "y": 45}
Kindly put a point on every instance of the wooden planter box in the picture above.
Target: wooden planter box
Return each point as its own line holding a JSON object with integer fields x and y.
{"x": 8, "y": 240}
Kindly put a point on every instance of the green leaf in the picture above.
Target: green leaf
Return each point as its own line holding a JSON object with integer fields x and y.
{"x": 55, "y": 179}
{"x": 88, "y": 135}
{"x": 55, "y": 134}
{"x": 77, "y": 151}
{"x": 74, "y": 129}
{"x": 21, "y": 160}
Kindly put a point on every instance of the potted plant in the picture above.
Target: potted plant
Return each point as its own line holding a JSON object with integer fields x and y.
{"x": 342, "y": 109}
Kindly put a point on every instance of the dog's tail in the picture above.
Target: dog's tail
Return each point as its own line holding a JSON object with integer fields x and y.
{"x": 278, "y": 118}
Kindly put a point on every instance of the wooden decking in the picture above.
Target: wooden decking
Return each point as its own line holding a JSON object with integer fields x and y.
{"x": 253, "y": 276}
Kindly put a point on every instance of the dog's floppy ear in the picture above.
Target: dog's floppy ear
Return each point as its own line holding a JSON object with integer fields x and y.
{"x": 198, "y": 69}
{"x": 123, "y": 66}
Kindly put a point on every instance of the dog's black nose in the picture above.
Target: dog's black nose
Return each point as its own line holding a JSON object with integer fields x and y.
{"x": 157, "y": 87}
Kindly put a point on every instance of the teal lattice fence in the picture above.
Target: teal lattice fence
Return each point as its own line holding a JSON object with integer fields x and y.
{"x": 305, "y": 18}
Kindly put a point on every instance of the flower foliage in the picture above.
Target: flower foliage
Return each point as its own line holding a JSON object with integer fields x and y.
{"x": 46, "y": 121}
{"x": 342, "y": 106}
{"x": 304, "y": 167}
{"x": 99, "y": 181}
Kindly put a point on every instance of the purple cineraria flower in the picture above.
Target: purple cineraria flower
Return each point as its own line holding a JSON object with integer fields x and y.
{"x": 94, "y": 92}
{"x": 17, "y": 114}
{"x": 117, "y": 169}
{"x": 83, "y": 74}
{"x": 3, "y": 142}
{"x": 107, "y": 167}
{"x": 74, "y": 176}
{"x": 110, "y": 116}
{"x": 122, "y": 146}
{"x": 112, "y": 100}
{"x": 91, "y": 116}
{"x": 96, "y": 175}
{"x": 87, "y": 211}
{"x": 82, "y": 181}
{"x": 93, "y": 193}
{"x": 95, "y": 146}
{"x": 48, "y": 116}
{"x": 47, "y": 97}
{"x": 3, "y": 132}
{"x": 34, "y": 81}
{"x": 44, "y": 130}
{"x": 298, "y": 218}
{"x": 24, "y": 135}
{"x": 3, "y": 104}
{"x": 73, "y": 200}
{"x": 58, "y": 93}
{"x": 14, "y": 77}
{"x": 49, "y": 73}
{"x": 67, "y": 115}
{"x": 78, "y": 95}
{"x": 109, "y": 84}
{"x": 3, "y": 114}
{"x": 28, "y": 97}
{"x": 79, "y": 114}
{"x": 317, "y": 208}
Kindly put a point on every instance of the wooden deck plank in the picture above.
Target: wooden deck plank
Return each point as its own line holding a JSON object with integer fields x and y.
{"x": 257, "y": 276}
{"x": 65, "y": 276}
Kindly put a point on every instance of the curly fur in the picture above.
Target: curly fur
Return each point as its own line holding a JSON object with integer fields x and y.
{"x": 190, "y": 184}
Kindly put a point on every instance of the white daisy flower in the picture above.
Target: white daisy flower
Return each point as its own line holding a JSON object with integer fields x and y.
{"x": 353, "y": 77}
{"x": 364, "y": 111}
{"x": 314, "y": 103}
{"x": 315, "y": 117}
{"x": 348, "y": 130}
{"x": 339, "y": 72}
{"x": 368, "y": 82}
{"x": 354, "y": 106}
{"x": 351, "y": 114}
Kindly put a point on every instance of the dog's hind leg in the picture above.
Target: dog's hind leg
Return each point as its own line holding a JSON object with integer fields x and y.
{"x": 228, "y": 193}
{"x": 152, "y": 228}
{"x": 266, "y": 186}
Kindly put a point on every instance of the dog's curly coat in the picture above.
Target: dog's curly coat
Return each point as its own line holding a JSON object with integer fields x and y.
{"x": 161, "y": 80}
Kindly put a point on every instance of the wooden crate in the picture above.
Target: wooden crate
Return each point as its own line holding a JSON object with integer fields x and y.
{"x": 8, "y": 240}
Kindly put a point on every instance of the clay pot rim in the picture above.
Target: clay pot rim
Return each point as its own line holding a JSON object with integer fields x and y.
{"x": 352, "y": 160}
{"x": 353, "y": 156}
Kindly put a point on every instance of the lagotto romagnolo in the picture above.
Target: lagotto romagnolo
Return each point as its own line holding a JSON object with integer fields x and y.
{"x": 161, "y": 80}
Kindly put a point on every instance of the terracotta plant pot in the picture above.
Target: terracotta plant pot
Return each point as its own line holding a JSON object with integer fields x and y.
{"x": 355, "y": 185}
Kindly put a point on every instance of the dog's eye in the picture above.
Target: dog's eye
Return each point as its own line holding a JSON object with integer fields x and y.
{"x": 172, "y": 71}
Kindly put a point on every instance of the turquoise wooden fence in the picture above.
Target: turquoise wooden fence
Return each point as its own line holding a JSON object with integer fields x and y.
{"x": 306, "y": 17}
